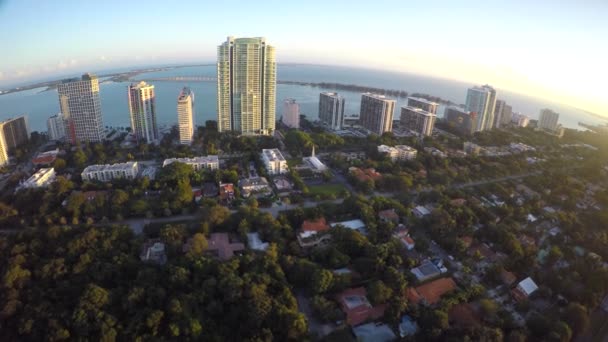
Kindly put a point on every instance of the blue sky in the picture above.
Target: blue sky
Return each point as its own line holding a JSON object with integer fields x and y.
{"x": 552, "y": 49}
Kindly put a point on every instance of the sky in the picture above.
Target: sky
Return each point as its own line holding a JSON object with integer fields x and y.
{"x": 551, "y": 49}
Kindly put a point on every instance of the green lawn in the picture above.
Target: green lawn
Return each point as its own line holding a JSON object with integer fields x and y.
{"x": 326, "y": 189}
{"x": 294, "y": 162}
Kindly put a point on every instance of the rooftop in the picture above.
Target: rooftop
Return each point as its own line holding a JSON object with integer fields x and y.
{"x": 255, "y": 243}
{"x": 212, "y": 159}
{"x": 273, "y": 154}
{"x": 418, "y": 110}
{"x": 317, "y": 225}
{"x": 528, "y": 286}
{"x": 357, "y": 308}
{"x": 420, "y": 99}
{"x": 220, "y": 242}
{"x": 432, "y": 291}
{"x": 110, "y": 167}
{"x": 374, "y": 332}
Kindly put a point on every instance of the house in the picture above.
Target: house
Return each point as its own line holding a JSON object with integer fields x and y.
{"x": 421, "y": 211}
{"x": 313, "y": 233}
{"x": 153, "y": 251}
{"x": 356, "y": 224}
{"x": 357, "y": 308}
{"x": 363, "y": 175}
{"x": 507, "y": 278}
{"x": 407, "y": 326}
{"x": 458, "y": 202}
{"x": 431, "y": 292}
{"x": 426, "y": 270}
{"x": 226, "y": 192}
{"x": 254, "y": 242}
{"x": 374, "y": 332}
{"x": 389, "y": 215}
{"x": 45, "y": 158}
{"x": 408, "y": 242}
{"x": 257, "y": 185}
{"x": 524, "y": 289}
{"x": 220, "y": 244}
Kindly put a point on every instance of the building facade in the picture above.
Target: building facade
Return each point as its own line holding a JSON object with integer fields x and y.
{"x": 291, "y": 113}
{"x": 482, "y": 101}
{"x": 274, "y": 161}
{"x": 185, "y": 116}
{"x": 55, "y": 126}
{"x": 331, "y": 110}
{"x": 399, "y": 152}
{"x": 246, "y": 86}
{"x": 376, "y": 113}
{"x": 460, "y": 120}
{"x": 211, "y": 162}
{"x": 81, "y": 108}
{"x": 423, "y": 104}
{"x": 42, "y": 178}
{"x": 417, "y": 120}
{"x": 15, "y": 131}
{"x": 520, "y": 120}
{"x": 109, "y": 172}
{"x": 502, "y": 114}
{"x": 548, "y": 120}
{"x": 3, "y": 152}
{"x": 142, "y": 106}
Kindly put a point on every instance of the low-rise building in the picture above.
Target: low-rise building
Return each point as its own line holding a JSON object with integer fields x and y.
{"x": 211, "y": 162}
{"x": 255, "y": 242}
{"x": 363, "y": 175}
{"x": 45, "y": 158}
{"x": 109, "y": 172}
{"x": 274, "y": 162}
{"x": 313, "y": 233}
{"x": 426, "y": 270}
{"x": 421, "y": 211}
{"x": 524, "y": 289}
{"x": 154, "y": 251}
{"x": 389, "y": 215}
{"x": 226, "y": 191}
{"x": 374, "y": 332}
{"x": 42, "y": 178}
{"x": 224, "y": 249}
{"x": 357, "y": 308}
{"x": 313, "y": 163}
{"x": 399, "y": 152}
{"x": 254, "y": 185}
{"x": 356, "y": 224}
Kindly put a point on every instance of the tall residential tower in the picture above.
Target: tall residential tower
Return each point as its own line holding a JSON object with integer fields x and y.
{"x": 291, "y": 113}
{"x": 376, "y": 113}
{"x": 15, "y": 132}
{"x": 142, "y": 106}
{"x": 417, "y": 120}
{"x": 482, "y": 101}
{"x": 56, "y": 127}
{"x": 331, "y": 110}
{"x": 185, "y": 116}
{"x": 81, "y": 108}
{"x": 246, "y": 86}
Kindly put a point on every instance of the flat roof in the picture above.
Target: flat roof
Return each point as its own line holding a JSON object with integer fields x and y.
{"x": 418, "y": 110}
{"x": 110, "y": 167}
{"x": 273, "y": 154}
{"x": 528, "y": 286}
{"x": 195, "y": 160}
{"x": 420, "y": 99}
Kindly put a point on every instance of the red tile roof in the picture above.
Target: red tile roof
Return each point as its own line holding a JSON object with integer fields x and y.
{"x": 318, "y": 225}
{"x": 389, "y": 215}
{"x": 220, "y": 242}
{"x": 44, "y": 159}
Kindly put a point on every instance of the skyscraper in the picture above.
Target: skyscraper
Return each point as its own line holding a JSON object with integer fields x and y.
{"x": 291, "y": 113}
{"x": 185, "y": 116}
{"x": 498, "y": 113}
{"x": 506, "y": 116}
{"x": 15, "y": 132}
{"x": 376, "y": 113}
{"x": 3, "y": 152}
{"x": 548, "y": 120}
{"x": 56, "y": 127}
{"x": 482, "y": 100}
{"x": 81, "y": 108}
{"x": 142, "y": 106}
{"x": 423, "y": 104}
{"x": 246, "y": 86}
{"x": 417, "y": 120}
{"x": 460, "y": 120}
{"x": 331, "y": 110}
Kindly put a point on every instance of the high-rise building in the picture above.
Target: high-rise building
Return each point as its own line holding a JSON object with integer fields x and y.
{"x": 460, "y": 120}
{"x": 417, "y": 120}
{"x": 81, "y": 108}
{"x": 507, "y": 115}
{"x": 56, "y": 127}
{"x": 142, "y": 106}
{"x": 548, "y": 120}
{"x": 498, "y": 113}
{"x": 15, "y": 132}
{"x": 291, "y": 113}
{"x": 3, "y": 151}
{"x": 331, "y": 110}
{"x": 482, "y": 100}
{"x": 423, "y": 104}
{"x": 520, "y": 120}
{"x": 185, "y": 116}
{"x": 246, "y": 86}
{"x": 376, "y": 114}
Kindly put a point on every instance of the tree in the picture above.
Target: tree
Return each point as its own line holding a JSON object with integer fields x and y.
{"x": 217, "y": 215}
{"x": 79, "y": 158}
{"x": 378, "y": 292}
{"x": 198, "y": 244}
{"x": 577, "y": 317}
{"x": 59, "y": 164}
{"x": 321, "y": 280}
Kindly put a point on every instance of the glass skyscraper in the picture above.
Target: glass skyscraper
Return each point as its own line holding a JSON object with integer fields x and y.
{"x": 246, "y": 86}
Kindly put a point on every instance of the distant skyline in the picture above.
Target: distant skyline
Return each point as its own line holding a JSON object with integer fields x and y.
{"x": 549, "y": 49}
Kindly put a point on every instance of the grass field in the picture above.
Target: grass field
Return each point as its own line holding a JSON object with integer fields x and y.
{"x": 326, "y": 189}
{"x": 294, "y": 162}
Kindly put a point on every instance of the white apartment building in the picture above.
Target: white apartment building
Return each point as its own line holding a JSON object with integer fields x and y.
{"x": 42, "y": 178}
{"x": 56, "y": 127}
{"x": 376, "y": 114}
{"x": 81, "y": 108}
{"x": 142, "y": 106}
{"x": 482, "y": 101}
{"x": 108, "y": 172}
{"x": 185, "y": 116}
{"x": 274, "y": 161}
{"x": 3, "y": 150}
{"x": 424, "y": 104}
{"x": 331, "y": 110}
{"x": 548, "y": 120}
{"x": 399, "y": 152}
{"x": 198, "y": 163}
